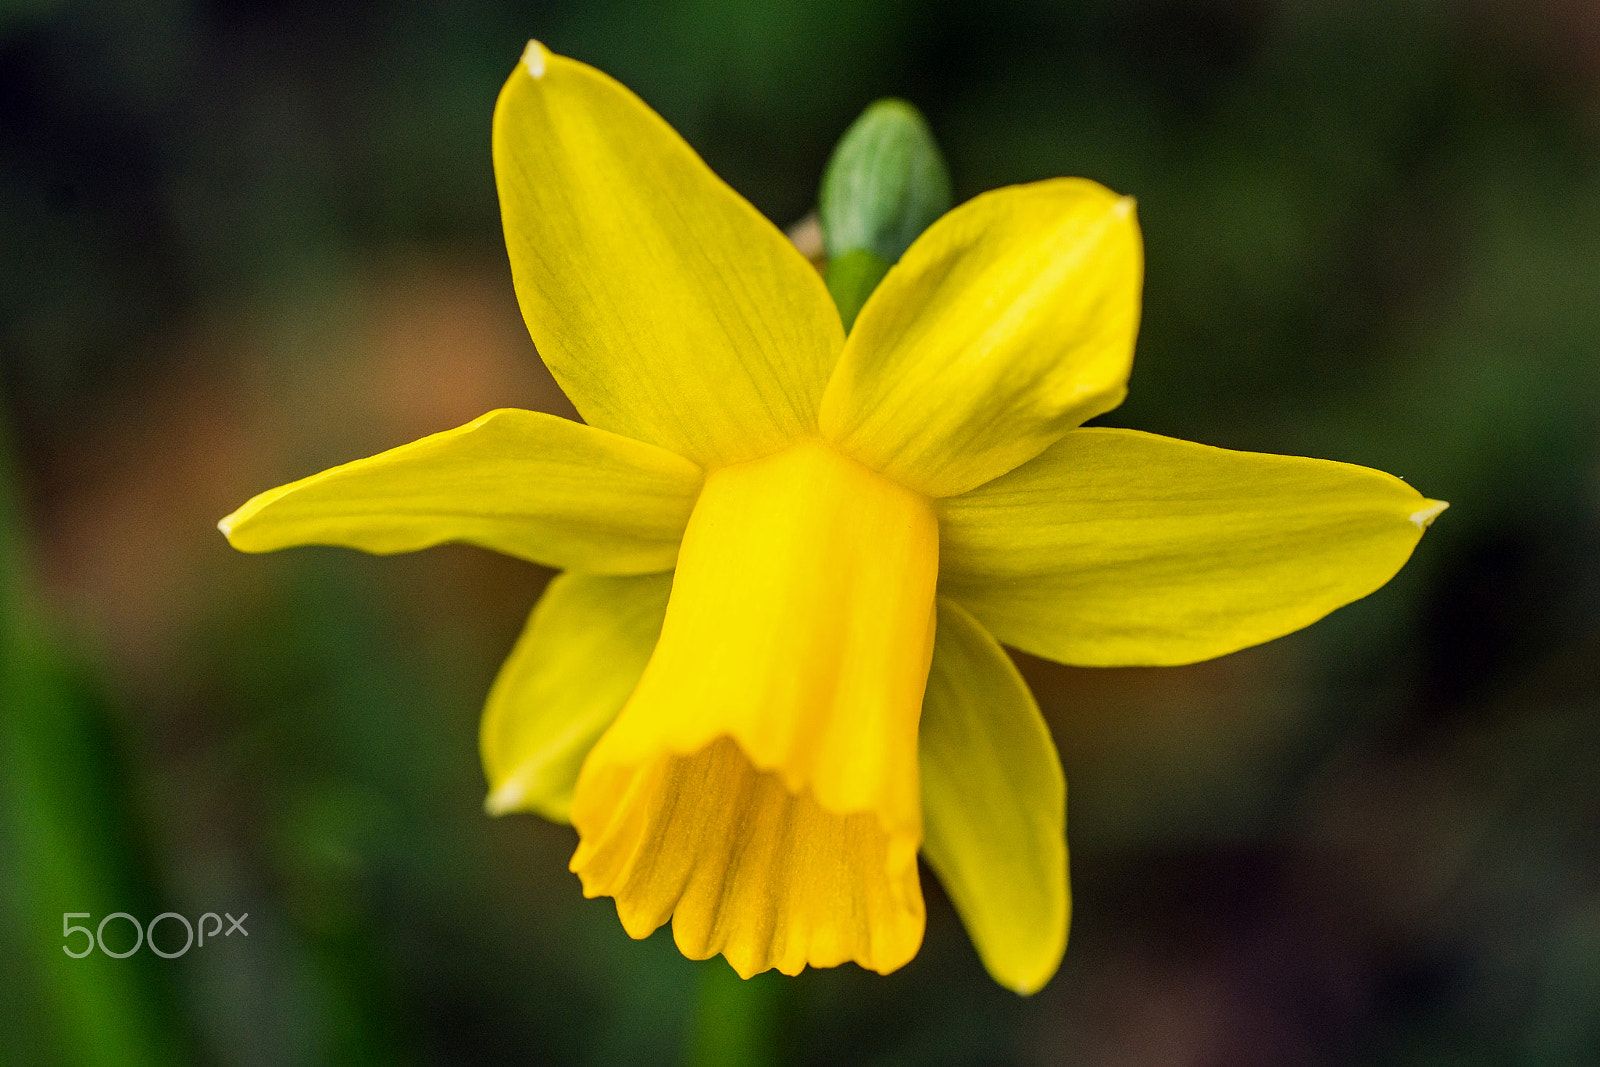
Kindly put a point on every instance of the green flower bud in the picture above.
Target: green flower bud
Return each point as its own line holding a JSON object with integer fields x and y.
{"x": 885, "y": 184}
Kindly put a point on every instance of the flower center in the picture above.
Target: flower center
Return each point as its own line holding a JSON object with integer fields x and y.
{"x": 761, "y": 784}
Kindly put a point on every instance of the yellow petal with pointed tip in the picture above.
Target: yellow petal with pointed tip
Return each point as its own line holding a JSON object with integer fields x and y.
{"x": 665, "y": 305}
{"x": 994, "y": 805}
{"x": 1116, "y": 547}
{"x": 520, "y": 482}
{"x": 571, "y": 671}
{"x": 1008, "y": 323}
{"x": 799, "y": 630}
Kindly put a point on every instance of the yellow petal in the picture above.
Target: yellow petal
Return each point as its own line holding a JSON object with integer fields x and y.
{"x": 1121, "y": 548}
{"x": 1009, "y": 322}
{"x": 800, "y": 628}
{"x": 520, "y": 482}
{"x": 665, "y": 305}
{"x": 571, "y": 671}
{"x": 994, "y": 804}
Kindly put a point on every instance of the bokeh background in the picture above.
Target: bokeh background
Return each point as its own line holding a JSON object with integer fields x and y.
{"x": 242, "y": 241}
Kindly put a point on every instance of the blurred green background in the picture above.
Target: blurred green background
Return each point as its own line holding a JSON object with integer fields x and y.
{"x": 242, "y": 241}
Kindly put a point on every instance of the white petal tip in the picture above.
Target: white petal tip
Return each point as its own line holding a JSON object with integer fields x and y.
{"x": 507, "y": 798}
{"x": 226, "y": 526}
{"x": 533, "y": 57}
{"x": 1124, "y": 207}
{"x": 1422, "y": 518}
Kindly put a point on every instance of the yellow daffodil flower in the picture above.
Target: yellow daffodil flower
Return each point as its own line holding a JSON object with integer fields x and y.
{"x": 772, "y": 670}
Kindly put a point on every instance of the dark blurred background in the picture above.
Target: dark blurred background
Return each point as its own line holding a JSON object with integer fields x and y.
{"x": 242, "y": 241}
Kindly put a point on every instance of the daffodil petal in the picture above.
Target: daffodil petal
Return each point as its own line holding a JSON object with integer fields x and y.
{"x": 1116, "y": 547}
{"x": 994, "y": 805}
{"x": 520, "y": 482}
{"x": 665, "y": 305}
{"x": 1008, "y": 323}
{"x": 571, "y": 671}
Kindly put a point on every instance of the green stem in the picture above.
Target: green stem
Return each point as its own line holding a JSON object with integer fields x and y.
{"x": 851, "y": 278}
{"x": 740, "y": 1022}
